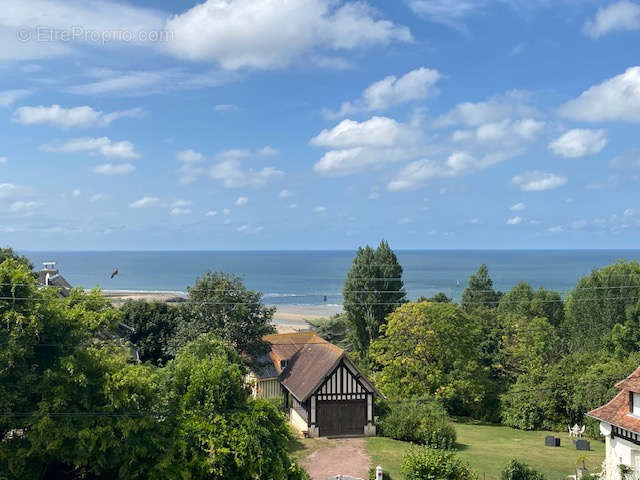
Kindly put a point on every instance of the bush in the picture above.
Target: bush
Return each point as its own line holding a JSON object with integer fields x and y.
{"x": 516, "y": 470}
{"x": 424, "y": 463}
{"x": 372, "y": 474}
{"x": 418, "y": 422}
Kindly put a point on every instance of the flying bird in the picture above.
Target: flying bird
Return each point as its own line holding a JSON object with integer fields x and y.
{"x": 114, "y": 273}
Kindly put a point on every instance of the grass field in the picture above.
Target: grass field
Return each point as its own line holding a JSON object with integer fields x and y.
{"x": 488, "y": 448}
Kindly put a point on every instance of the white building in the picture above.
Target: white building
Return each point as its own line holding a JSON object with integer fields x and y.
{"x": 620, "y": 425}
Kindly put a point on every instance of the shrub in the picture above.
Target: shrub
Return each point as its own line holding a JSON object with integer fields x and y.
{"x": 418, "y": 422}
{"x": 516, "y": 470}
{"x": 424, "y": 463}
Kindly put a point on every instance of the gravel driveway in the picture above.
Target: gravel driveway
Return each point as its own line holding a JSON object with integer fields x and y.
{"x": 345, "y": 456}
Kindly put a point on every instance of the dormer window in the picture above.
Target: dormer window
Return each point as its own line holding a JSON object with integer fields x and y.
{"x": 283, "y": 364}
{"x": 634, "y": 404}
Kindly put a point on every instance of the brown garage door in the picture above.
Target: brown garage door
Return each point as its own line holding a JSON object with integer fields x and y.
{"x": 346, "y": 417}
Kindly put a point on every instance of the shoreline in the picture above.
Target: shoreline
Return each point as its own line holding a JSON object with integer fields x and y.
{"x": 288, "y": 317}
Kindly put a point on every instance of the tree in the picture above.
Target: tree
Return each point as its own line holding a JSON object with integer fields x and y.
{"x": 424, "y": 463}
{"x": 431, "y": 349}
{"x": 372, "y": 290}
{"x": 154, "y": 325}
{"x": 334, "y": 330}
{"x": 600, "y": 301}
{"x": 524, "y": 301}
{"x": 479, "y": 291}
{"x": 439, "y": 297}
{"x": 220, "y": 303}
{"x": 8, "y": 252}
{"x": 516, "y": 470}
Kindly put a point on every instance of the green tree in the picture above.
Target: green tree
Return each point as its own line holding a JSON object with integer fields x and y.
{"x": 600, "y": 301}
{"x": 8, "y": 252}
{"x": 372, "y": 290}
{"x": 439, "y": 297}
{"x": 424, "y": 463}
{"x": 524, "y": 301}
{"x": 480, "y": 291}
{"x": 431, "y": 349}
{"x": 334, "y": 329}
{"x": 220, "y": 303}
{"x": 154, "y": 325}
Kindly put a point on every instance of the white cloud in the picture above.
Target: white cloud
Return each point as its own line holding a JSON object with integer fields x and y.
{"x": 3, "y": 160}
{"x": 190, "y": 156}
{"x": 578, "y": 224}
{"x": 9, "y": 191}
{"x": 181, "y": 203}
{"x": 225, "y": 107}
{"x": 96, "y": 197}
{"x": 506, "y": 132}
{"x": 512, "y": 104}
{"x": 405, "y": 221}
{"x": 9, "y": 97}
{"x": 556, "y": 229}
{"x": 629, "y": 212}
{"x": 176, "y": 211}
{"x": 84, "y": 116}
{"x": 232, "y": 174}
{"x": 281, "y": 31}
{"x": 448, "y": 12}
{"x": 226, "y": 211}
{"x": 538, "y": 181}
{"x": 211, "y": 213}
{"x": 374, "y": 196}
{"x": 23, "y": 207}
{"x": 114, "y": 169}
{"x": 267, "y": 151}
{"x": 103, "y": 146}
{"x": 579, "y": 142}
{"x": 249, "y": 229}
{"x": 514, "y": 221}
{"x": 75, "y": 193}
{"x": 284, "y": 193}
{"x": 293, "y": 205}
{"x": 518, "y": 206}
{"x": 320, "y": 209}
{"x": 145, "y": 202}
{"x": 630, "y": 159}
{"x": 418, "y": 84}
{"x": 617, "y": 98}
{"x": 240, "y": 201}
{"x": 619, "y": 16}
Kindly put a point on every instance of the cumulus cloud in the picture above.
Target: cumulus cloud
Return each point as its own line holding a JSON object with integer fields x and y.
{"x": 58, "y": 116}
{"x": 225, "y": 107}
{"x": 579, "y": 142}
{"x": 618, "y": 16}
{"x": 418, "y": 84}
{"x": 284, "y": 193}
{"x": 3, "y": 160}
{"x": 320, "y": 209}
{"x": 615, "y": 99}
{"x": 103, "y": 146}
{"x": 556, "y": 229}
{"x": 10, "y": 190}
{"x": 518, "y": 206}
{"x": 9, "y": 97}
{"x": 23, "y": 207}
{"x": 514, "y": 221}
{"x": 281, "y": 31}
{"x": 114, "y": 169}
{"x": 506, "y": 132}
{"x": 240, "y": 201}
{"x": 190, "y": 156}
{"x": 145, "y": 202}
{"x": 538, "y": 181}
{"x": 96, "y": 197}
{"x": 405, "y": 221}
{"x": 211, "y": 213}
{"x": 176, "y": 211}
{"x": 233, "y": 175}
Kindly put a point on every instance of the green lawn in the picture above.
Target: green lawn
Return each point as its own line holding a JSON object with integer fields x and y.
{"x": 488, "y": 448}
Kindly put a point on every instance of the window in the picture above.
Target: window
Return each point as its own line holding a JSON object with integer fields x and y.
{"x": 635, "y": 410}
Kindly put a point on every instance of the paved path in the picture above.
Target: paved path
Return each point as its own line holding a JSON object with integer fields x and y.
{"x": 345, "y": 456}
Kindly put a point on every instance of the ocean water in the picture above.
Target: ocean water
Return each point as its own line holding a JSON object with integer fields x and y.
{"x": 307, "y": 277}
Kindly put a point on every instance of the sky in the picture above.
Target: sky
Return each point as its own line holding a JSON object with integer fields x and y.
{"x": 319, "y": 124}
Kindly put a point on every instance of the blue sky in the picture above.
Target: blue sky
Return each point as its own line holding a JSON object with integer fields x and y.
{"x": 275, "y": 124}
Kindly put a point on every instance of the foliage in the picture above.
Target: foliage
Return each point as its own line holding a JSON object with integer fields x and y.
{"x": 9, "y": 253}
{"x": 372, "y": 290}
{"x": 431, "y": 349}
{"x": 220, "y": 303}
{"x": 600, "y": 301}
{"x": 154, "y": 325}
{"x": 516, "y": 470}
{"x": 523, "y": 301}
{"x": 480, "y": 291}
{"x": 424, "y": 463}
{"x": 421, "y": 422}
{"x": 333, "y": 329}
{"x": 439, "y": 297}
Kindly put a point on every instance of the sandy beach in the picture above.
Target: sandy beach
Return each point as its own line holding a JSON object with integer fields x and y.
{"x": 287, "y": 318}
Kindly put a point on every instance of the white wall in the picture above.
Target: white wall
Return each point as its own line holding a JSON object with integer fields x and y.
{"x": 619, "y": 451}
{"x": 297, "y": 421}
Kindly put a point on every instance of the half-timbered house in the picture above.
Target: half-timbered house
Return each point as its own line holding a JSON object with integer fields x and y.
{"x": 324, "y": 393}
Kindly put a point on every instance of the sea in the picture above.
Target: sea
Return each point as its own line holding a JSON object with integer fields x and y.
{"x": 316, "y": 277}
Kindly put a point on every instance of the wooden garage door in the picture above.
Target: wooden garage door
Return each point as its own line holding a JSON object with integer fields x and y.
{"x": 346, "y": 417}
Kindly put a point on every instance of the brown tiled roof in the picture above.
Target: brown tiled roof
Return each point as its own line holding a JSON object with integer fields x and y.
{"x": 310, "y": 359}
{"x": 616, "y": 412}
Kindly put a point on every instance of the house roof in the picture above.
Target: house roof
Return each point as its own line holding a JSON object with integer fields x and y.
{"x": 616, "y": 411}
{"x": 308, "y": 359}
